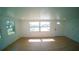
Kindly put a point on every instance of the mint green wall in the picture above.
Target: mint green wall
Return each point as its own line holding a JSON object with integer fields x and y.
{"x": 8, "y": 39}
{"x": 71, "y": 29}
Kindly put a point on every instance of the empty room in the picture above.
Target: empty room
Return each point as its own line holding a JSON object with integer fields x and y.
{"x": 39, "y": 29}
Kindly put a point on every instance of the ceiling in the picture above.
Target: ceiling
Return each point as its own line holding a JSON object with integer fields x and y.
{"x": 26, "y": 12}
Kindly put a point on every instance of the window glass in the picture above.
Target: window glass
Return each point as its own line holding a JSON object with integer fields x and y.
{"x": 44, "y": 26}
{"x": 34, "y": 26}
{"x": 10, "y": 27}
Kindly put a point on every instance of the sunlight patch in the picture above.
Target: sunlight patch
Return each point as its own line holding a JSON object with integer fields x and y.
{"x": 41, "y": 40}
{"x": 48, "y": 40}
{"x": 34, "y": 40}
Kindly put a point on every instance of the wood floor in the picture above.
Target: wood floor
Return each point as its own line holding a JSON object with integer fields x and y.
{"x": 60, "y": 44}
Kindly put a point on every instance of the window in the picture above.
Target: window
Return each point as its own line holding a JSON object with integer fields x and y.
{"x": 10, "y": 27}
{"x": 34, "y": 26}
{"x": 40, "y": 26}
{"x": 44, "y": 26}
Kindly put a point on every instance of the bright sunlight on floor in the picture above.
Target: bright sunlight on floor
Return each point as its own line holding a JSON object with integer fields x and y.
{"x": 41, "y": 40}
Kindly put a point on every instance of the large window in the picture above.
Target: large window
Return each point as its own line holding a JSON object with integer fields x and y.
{"x": 39, "y": 26}
{"x": 10, "y": 27}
